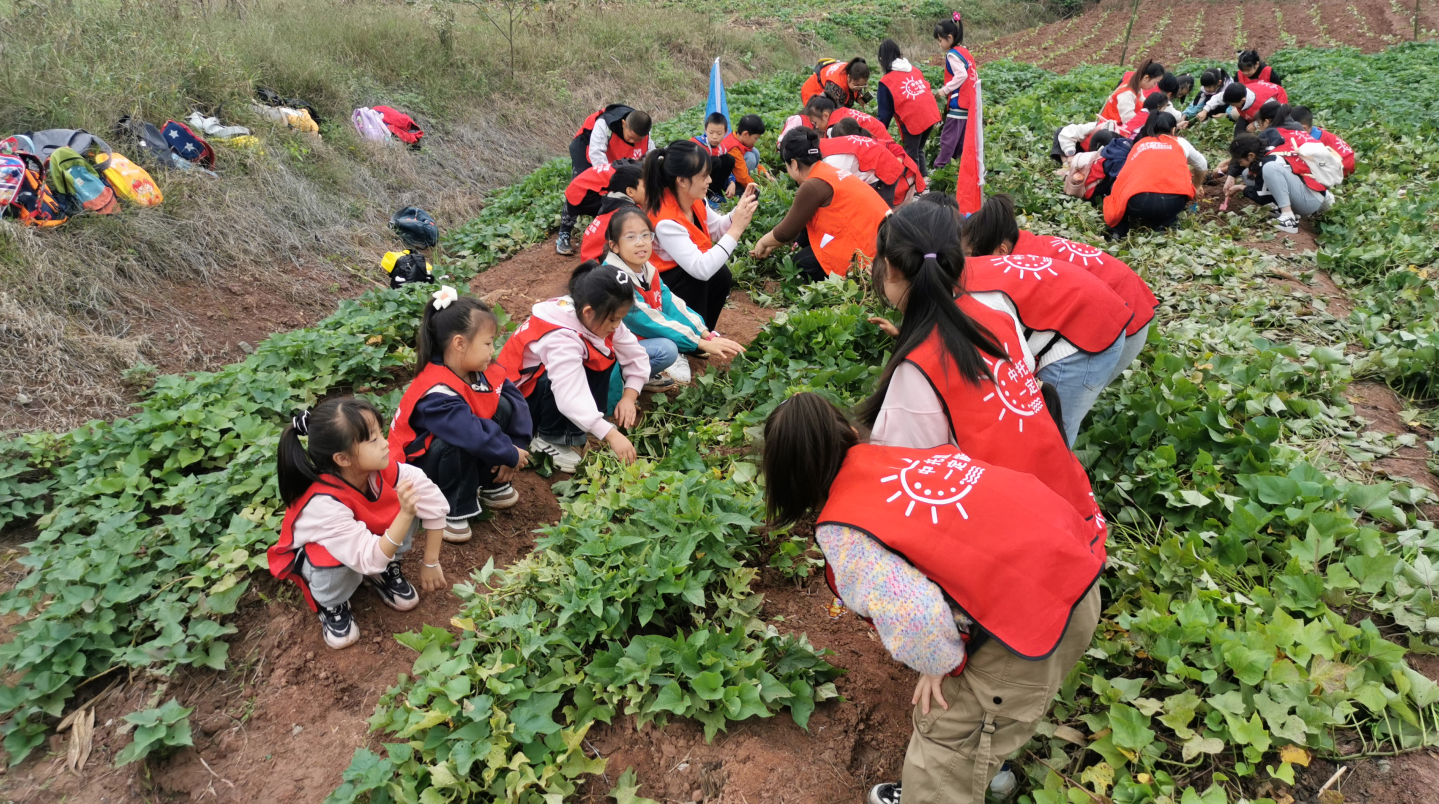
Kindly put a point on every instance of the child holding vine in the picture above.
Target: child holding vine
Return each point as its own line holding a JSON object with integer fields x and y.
{"x": 561, "y": 360}
{"x": 460, "y": 421}
{"x": 666, "y": 326}
{"x": 350, "y": 513}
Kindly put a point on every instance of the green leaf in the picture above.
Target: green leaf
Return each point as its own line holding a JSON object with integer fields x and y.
{"x": 1131, "y": 727}
{"x": 627, "y": 790}
{"x": 535, "y": 716}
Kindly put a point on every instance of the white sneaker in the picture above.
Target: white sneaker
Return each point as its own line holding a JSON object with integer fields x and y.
{"x": 1287, "y": 223}
{"x": 566, "y": 459}
{"x": 679, "y": 371}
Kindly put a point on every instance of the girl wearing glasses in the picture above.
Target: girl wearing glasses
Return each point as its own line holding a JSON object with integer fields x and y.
{"x": 666, "y": 326}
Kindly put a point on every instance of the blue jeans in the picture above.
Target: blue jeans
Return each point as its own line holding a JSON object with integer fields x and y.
{"x": 1133, "y": 345}
{"x": 751, "y": 159}
{"x": 663, "y": 353}
{"x": 1078, "y": 379}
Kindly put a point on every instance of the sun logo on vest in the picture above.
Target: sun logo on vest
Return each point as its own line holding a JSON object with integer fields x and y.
{"x": 1027, "y": 264}
{"x": 1016, "y": 388}
{"x": 936, "y": 481}
{"x": 914, "y": 87}
{"x": 1078, "y": 253}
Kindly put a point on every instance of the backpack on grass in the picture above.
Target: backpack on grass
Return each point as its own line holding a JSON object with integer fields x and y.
{"x": 415, "y": 227}
{"x": 188, "y": 144}
{"x": 1326, "y": 166}
{"x": 370, "y": 124}
{"x": 78, "y": 187}
{"x": 33, "y": 203}
{"x": 129, "y": 180}
{"x": 407, "y": 268}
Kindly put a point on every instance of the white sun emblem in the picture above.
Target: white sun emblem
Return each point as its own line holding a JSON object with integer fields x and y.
{"x": 1078, "y": 253}
{"x": 914, "y": 87}
{"x": 936, "y": 481}
{"x": 1016, "y": 388}
{"x": 1027, "y": 264}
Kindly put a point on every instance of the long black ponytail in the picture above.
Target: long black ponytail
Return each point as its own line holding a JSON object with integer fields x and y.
{"x": 1157, "y": 124}
{"x": 334, "y": 426}
{"x": 888, "y": 53}
{"x": 921, "y": 242}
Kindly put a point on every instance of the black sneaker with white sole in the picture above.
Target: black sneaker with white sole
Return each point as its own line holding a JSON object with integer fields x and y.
{"x": 337, "y": 623}
{"x": 393, "y": 589}
{"x": 887, "y": 793}
{"x": 563, "y": 246}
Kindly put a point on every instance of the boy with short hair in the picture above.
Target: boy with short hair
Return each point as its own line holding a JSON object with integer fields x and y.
{"x": 587, "y": 192}
{"x": 741, "y": 146}
{"x": 627, "y": 189}
{"x": 722, "y": 165}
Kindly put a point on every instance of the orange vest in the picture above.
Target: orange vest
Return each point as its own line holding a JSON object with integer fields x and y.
{"x": 836, "y": 72}
{"x": 1155, "y": 165}
{"x": 1012, "y": 555}
{"x": 483, "y": 397}
{"x": 850, "y": 222}
{"x": 377, "y": 515}
{"x": 670, "y": 211}
{"x": 1004, "y": 421}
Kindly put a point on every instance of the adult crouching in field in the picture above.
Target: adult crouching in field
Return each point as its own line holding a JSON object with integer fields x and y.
{"x": 693, "y": 242}
{"x": 905, "y": 96}
{"x": 614, "y": 132}
{"x": 1159, "y": 179}
{"x": 844, "y": 82}
{"x": 834, "y": 213}
{"x": 984, "y": 583}
{"x": 1128, "y": 98}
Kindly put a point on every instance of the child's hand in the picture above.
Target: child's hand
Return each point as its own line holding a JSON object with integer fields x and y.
{"x": 407, "y": 496}
{"x": 524, "y": 459}
{"x": 729, "y": 191}
{"x": 625, "y": 413}
{"x": 885, "y": 325}
{"x": 929, "y": 687}
{"x": 432, "y": 579}
{"x": 624, "y": 450}
{"x": 720, "y": 347}
{"x": 505, "y": 474}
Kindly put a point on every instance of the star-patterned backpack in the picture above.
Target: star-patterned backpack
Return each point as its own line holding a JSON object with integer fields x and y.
{"x": 188, "y": 144}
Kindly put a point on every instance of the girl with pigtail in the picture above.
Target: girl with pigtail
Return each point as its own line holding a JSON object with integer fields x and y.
{"x": 460, "y": 421}
{"x": 351, "y": 513}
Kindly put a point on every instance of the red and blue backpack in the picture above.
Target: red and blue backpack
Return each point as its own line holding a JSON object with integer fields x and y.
{"x": 188, "y": 144}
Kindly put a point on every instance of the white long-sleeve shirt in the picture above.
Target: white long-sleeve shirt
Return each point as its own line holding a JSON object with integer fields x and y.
{"x": 1192, "y": 155}
{"x": 331, "y": 524}
{"x": 672, "y": 242}
{"x": 913, "y": 414}
{"x": 563, "y": 354}
{"x": 849, "y": 163}
{"x": 1071, "y": 135}
{"x": 599, "y": 150}
{"x": 957, "y": 69}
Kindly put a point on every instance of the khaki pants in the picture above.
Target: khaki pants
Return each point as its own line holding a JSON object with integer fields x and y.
{"x": 994, "y": 706}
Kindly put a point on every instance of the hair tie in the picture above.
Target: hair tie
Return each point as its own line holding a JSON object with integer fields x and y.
{"x": 621, "y": 278}
{"x": 932, "y": 256}
{"x": 444, "y": 297}
{"x": 956, "y": 17}
{"x": 301, "y": 422}
{"x": 813, "y": 151}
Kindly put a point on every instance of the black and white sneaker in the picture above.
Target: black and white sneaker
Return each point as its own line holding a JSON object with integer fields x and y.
{"x": 562, "y": 245}
{"x": 1287, "y": 223}
{"x": 887, "y": 793}
{"x": 393, "y": 589}
{"x": 338, "y": 626}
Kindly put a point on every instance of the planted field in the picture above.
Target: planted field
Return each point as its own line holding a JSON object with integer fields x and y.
{"x": 1267, "y": 467}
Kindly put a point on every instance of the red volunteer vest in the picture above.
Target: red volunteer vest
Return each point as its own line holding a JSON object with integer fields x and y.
{"x": 590, "y": 180}
{"x": 714, "y": 150}
{"x": 967, "y": 191}
{"x": 914, "y": 102}
{"x": 1340, "y": 147}
{"x": 850, "y": 222}
{"x": 1263, "y": 93}
{"x": 699, "y": 234}
{"x": 1289, "y": 152}
{"x": 617, "y": 147}
{"x": 406, "y": 443}
{"x": 654, "y": 296}
{"x": 512, "y": 357}
{"x": 377, "y": 515}
{"x": 1135, "y": 124}
{"x": 872, "y": 155}
{"x": 592, "y": 242}
{"x": 1004, "y": 421}
{"x": 1155, "y": 165}
{"x": 1009, "y": 552}
{"x": 1053, "y": 295}
{"x": 1266, "y": 75}
{"x": 867, "y": 122}
{"x": 1119, "y": 277}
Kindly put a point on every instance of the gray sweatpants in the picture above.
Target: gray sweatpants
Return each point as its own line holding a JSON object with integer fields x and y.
{"x": 1289, "y": 190}
{"x": 331, "y": 586}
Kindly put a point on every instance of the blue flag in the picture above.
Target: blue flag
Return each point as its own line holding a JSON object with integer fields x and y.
{"x": 717, "y": 101}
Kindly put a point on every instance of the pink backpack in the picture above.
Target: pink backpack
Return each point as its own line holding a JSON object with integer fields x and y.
{"x": 370, "y": 124}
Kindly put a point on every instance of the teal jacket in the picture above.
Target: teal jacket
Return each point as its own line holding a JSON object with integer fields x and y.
{"x": 674, "y": 320}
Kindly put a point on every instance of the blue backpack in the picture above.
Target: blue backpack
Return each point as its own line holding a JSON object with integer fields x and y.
{"x": 188, "y": 144}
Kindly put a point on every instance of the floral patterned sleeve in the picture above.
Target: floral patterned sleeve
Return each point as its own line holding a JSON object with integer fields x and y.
{"x": 907, "y": 609}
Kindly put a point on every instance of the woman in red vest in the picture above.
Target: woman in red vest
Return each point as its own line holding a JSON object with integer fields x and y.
{"x": 978, "y": 578}
{"x": 460, "y": 421}
{"x": 843, "y": 82}
{"x": 693, "y": 242}
{"x": 561, "y": 359}
{"x": 1158, "y": 180}
{"x": 906, "y": 96}
{"x": 962, "y": 136}
{"x": 1125, "y": 101}
{"x": 350, "y": 512}
{"x": 834, "y": 213}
